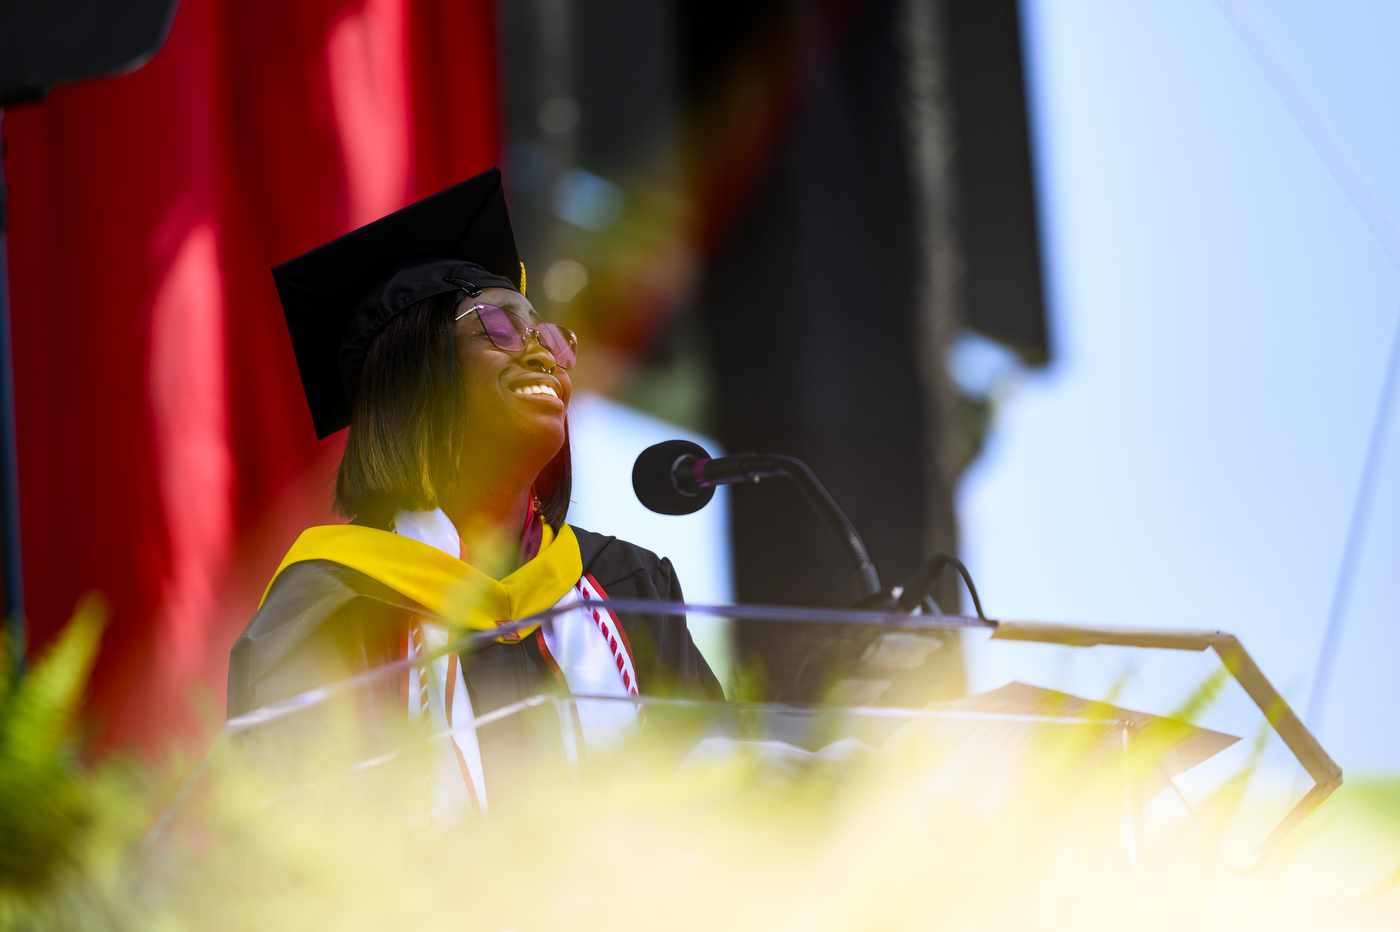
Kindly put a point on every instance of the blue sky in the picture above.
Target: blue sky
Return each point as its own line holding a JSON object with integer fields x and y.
{"x": 1222, "y": 315}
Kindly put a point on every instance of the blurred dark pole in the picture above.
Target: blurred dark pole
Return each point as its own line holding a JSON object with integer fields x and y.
{"x": 933, "y": 141}
{"x": 12, "y": 570}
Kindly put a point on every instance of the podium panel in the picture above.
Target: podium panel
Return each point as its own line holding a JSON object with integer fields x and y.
{"x": 979, "y": 753}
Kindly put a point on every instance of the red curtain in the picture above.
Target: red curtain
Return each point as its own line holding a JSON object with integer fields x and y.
{"x": 167, "y": 459}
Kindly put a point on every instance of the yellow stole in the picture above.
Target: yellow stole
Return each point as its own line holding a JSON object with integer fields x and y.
{"x": 442, "y": 584}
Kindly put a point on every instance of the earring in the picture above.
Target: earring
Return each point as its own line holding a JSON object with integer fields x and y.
{"x": 535, "y": 501}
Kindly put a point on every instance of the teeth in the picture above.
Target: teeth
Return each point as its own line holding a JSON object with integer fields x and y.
{"x": 536, "y": 390}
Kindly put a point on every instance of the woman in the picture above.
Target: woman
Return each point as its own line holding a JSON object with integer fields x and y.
{"x": 416, "y": 332}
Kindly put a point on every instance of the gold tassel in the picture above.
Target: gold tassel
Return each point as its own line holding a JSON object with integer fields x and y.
{"x": 522, "y": 279}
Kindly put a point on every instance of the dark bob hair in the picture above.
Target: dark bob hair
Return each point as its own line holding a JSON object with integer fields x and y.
{"x": 407, "y": 424}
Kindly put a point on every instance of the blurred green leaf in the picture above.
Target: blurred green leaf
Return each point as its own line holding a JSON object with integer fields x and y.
{"x": 42, "y": 805}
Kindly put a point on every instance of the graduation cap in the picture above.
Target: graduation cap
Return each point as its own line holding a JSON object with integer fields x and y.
{"x": 339, "y": 296}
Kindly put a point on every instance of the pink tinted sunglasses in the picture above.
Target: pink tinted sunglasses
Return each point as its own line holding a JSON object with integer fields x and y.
{"x": 508, "y": 332}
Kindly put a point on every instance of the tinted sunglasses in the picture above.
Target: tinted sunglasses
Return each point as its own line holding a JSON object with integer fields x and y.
{"x": 508, "y": 332}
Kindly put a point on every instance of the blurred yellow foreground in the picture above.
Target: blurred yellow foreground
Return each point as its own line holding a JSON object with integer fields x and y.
{"x": 655, "y": 836}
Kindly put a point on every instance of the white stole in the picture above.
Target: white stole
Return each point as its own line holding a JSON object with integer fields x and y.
{"x": 587, "y": 647}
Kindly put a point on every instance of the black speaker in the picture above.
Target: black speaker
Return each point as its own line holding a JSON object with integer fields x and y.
{"x": 44, "y": 43}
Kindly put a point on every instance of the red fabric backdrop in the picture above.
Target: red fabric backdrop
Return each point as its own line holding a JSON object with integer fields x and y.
{"x": 166, "y": 455}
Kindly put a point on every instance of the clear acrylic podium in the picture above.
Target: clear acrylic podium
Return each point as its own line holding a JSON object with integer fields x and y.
{"x": 983, "y": 739}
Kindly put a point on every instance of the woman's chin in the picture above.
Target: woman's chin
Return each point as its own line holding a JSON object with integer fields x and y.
{"x": 545, "y": 420}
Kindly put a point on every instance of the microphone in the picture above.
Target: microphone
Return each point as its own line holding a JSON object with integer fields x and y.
{"x": 653, "y": 478}
{"x": 677, "y": 477}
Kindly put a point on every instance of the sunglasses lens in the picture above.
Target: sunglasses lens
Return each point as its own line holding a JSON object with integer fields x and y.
{"x": 561, "y": 343}
{"x": 500, "y": 328}
{"x": 507, "y": 332}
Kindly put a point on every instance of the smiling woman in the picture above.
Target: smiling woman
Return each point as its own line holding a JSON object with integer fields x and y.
{"x": 416, "y": 332}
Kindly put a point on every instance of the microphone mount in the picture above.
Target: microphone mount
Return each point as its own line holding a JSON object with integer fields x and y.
{"x": 918, "y": 590}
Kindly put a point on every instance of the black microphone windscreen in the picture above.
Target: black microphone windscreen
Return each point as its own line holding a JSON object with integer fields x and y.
{"x": 651, "y": 478}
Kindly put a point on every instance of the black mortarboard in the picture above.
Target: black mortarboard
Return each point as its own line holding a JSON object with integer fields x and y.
{"x": 337, "y": 297}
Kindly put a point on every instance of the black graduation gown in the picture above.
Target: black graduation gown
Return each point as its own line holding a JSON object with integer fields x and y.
{"x": 322, "y": 622}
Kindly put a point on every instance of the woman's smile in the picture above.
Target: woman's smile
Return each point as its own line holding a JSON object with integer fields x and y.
{"x": 540, "y": 389}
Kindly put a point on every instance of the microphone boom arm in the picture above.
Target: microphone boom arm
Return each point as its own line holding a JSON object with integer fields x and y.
{"x": 693, "y": 474}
